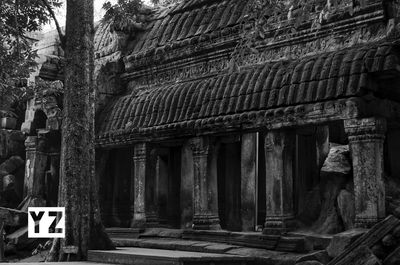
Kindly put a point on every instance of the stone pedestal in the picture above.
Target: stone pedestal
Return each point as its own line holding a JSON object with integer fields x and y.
{"x": 248, "y": 183}
{"x": 279, "y": 159}
{"x": 366, "y": 138}
{"x": 144, "y": 210}
{"x": 205, "y": 184}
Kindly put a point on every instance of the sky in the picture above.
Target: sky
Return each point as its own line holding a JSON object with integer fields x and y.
{"x": 98, "y": 13}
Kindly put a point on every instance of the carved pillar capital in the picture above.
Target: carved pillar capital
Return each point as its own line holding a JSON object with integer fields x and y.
{"x": 140, "y": 152}
{"x": 201, "y": 146}
{"x": 365, "y": 129}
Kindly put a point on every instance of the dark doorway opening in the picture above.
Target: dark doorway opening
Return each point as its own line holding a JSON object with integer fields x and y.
{"x": 168, "y": 186}
{"x": 115, "y": 188}
{"x": 229, "y": 175}
{"x": 261, "y": 183}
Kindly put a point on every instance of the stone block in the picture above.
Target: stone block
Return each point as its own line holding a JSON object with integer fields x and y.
{"x": 294, "y": 244}
{"x": 342, "y": 240}
{"x": 335, "y": 174}
{"x": 393, "y": 258}
{"x": 20, "y": 239}
{"x": 346, "y": 208}
{"x": 11, "y": 165}
{"x": 12, "y": 143}
{"x": 368, "y": 240}
{"x": 389, "y": 240}
{"x": 309, "y": 262}
{"x": 319, "y": 256}
{"x": 379, "y": 251}
{"x": 13, "y": 217}
{"x": 338, "y": 161}
{"x": 396, "y": 232}
{"x": 361, "y": 256}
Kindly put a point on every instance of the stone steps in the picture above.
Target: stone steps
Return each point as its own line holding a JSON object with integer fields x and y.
{"x": 146, "y": 256}
{"x": 119, "y": 232}
{"x": 174, "y": 244}
{"x": 297, "y": 244}
{"x": 288, "y": 243}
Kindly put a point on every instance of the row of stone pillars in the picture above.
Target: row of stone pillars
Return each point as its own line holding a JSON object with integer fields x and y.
{"x": 366, "y": 137}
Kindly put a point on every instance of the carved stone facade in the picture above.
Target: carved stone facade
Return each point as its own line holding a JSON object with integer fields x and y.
{"x": 185, "y": 141}
{"x": 42, "y": 127}
{"x": 242, "y": 149}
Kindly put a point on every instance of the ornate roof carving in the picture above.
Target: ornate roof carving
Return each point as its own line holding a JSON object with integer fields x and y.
{"x": 278, "y": 88}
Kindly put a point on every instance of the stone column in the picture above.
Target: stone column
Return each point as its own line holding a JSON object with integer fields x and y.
{"x": 279, "y": 159}
{"x": 144, "y": 205}
{"x": 248, "y": 185}
{"x": 35, "y": 170}
{"x": 187, "y": 184}
{"x": 366, "y": 138}
{"x": 205, "y": 184}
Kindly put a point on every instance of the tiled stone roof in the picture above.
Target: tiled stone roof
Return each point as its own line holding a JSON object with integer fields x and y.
{"x": 232, "y": 96}
{"x": 191, "y": 19}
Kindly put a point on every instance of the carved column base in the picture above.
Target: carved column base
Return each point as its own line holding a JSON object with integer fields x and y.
{"x": 279, "y": 225}
{"x": 147, "y": 220}
{"x": 152, "y": 220}
{"x": 206, "y": 222}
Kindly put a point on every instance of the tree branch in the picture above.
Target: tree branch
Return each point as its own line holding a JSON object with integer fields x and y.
{"x": 60, "y": 34}
{"x": 17, "y": 27}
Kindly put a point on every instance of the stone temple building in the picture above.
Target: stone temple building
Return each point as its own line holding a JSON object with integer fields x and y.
{"x": 191, "y": 143}
{"x": 302, "y": 135}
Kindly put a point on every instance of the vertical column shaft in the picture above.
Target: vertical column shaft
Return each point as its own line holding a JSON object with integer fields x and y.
{"x": 145, "y": 203}
{"x": 279, "y": 159}
{"x": 205, "y": 184}
{"x": 366, "y": 139}
{"x": 248, "y": 183}
{"x": 36, "y": 162}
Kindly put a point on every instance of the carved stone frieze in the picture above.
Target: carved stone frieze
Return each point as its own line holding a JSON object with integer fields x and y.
{"x": 188, "y": 62}
{"x": 195, "y": 67}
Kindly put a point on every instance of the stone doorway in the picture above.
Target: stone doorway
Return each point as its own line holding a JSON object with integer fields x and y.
{"x": 168, "y": 185}
{"x": 115, "y": 197}
{"x": 229, "y": 190}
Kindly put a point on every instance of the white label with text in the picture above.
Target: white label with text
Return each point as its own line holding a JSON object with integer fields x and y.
{"x": 46, "y": 222}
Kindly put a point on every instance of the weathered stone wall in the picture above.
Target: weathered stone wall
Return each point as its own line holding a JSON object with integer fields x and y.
{"x": 12, "y": 155}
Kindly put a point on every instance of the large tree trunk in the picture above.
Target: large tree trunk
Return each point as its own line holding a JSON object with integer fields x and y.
{"x": 78, "y": 187}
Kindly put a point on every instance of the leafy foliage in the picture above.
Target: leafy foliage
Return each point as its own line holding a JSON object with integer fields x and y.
{"x": 16, "y": 56}
{"x": 126, "y": 15}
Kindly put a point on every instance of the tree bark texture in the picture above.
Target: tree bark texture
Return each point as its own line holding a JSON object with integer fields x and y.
{"x": 78, "y": 187}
